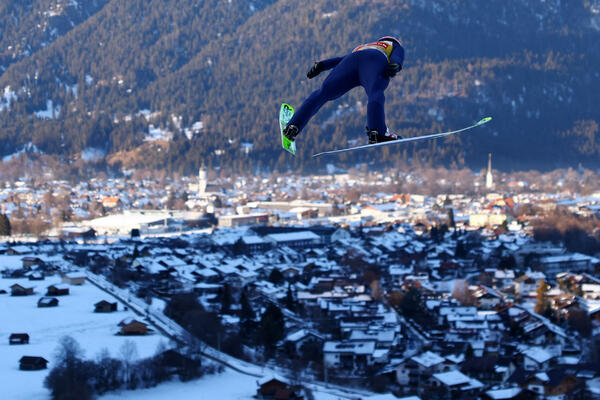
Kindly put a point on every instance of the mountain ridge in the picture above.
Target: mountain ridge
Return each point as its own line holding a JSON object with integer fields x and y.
{"x": 226, "y": 66}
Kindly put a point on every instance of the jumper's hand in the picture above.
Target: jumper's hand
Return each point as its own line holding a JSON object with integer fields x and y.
{"x": 392, "y": 69}
{"x": 315, "y": 70}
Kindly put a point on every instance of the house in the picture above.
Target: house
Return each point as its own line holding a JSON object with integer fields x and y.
{"x": 296, "y": 340}
{"x": 29, "y": 363}
{"x": 525, "y": 285}
{"x": 130, "y": 326}
{"x": 18, "y": 338}
{"x": 30, "y": 261}
{"x": 111, "y": 202}
{"x": 54, "y": 290}
{"x": 47, "y": 302}
{"x": 537, "y": 359}
{"x": 455, "y": 384}
{"x": 348, "y": 355}
{"x": 555, "y": 383}
{"x": 419, "y": 369}
{"x": 18, "y": 290}
{"x": 275, "y": 389}
{"x": 74, "y": 278}
{"x": 510, "y": 393}
{"x": 35, "y": 276}
{"x": 104, "y": 306}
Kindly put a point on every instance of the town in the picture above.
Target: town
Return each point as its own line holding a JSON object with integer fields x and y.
{"x": 420, "y": 285}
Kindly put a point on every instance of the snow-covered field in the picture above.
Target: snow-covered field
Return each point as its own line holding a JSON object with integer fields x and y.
{"x": 229, "y": 385}
{"x": 74, "y": 316}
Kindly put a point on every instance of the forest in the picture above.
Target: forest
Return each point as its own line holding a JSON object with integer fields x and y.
{"x": 211, "y": 74}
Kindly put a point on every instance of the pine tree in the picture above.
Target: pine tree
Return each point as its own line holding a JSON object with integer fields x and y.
{"x": 247, "y": 312}
{"x": 271, "y": 326}
{"x": 4, "y": 225}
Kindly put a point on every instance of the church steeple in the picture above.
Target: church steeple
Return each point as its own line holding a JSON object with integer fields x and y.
{"x": 489, "y": 180}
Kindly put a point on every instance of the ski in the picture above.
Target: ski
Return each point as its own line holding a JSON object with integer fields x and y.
{"x": 413, "y": 139}
{"x": 285, "y": 114}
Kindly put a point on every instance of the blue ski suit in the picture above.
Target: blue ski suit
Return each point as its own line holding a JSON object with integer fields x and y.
{"x": 365, "y": 66}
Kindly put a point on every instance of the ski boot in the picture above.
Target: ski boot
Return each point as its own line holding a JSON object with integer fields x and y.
{"x": 375, "y": 137}
{"x": 290, "y": 132}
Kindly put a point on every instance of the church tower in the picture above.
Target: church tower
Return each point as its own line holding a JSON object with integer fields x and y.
{"x": 202, "y": 180}
{"x": 489, "y": 180}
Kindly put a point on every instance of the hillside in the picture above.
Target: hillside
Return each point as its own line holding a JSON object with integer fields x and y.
{"x": 206, "y": 79}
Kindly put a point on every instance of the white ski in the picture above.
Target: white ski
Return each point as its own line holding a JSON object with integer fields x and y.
{"x": 413, "y": 139}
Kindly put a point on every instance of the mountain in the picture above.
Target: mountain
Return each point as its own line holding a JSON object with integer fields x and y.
{"x": 191, "y": 82}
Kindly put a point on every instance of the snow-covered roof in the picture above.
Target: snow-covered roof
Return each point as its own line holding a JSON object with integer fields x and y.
{"x": 293, "y": 236}
{"x": 538, "y": 354}
{"x": 502, "y": 394}
{"x": 349, "y": 347}
{"x": 428, "y": 359}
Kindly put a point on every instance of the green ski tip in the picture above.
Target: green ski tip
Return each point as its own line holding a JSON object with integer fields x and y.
{"x": 484, "y": 120}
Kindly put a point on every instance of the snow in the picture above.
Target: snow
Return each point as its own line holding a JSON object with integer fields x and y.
{"x": 228, "y": 385}
{"x": 74, "y": 316}
{"x": 428, "y": 359}
{"x": 92, "y": 154}
{"x": 50, "y": 112}
{"x": 155, "y": 133}
{"x": 7, "y": 97}
{"x": 500, "y": 394}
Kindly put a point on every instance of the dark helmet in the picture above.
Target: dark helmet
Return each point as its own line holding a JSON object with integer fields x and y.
{"x": 390, "y": 39}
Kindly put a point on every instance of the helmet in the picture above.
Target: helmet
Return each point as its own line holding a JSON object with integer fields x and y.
{"x": 389, "y": 39}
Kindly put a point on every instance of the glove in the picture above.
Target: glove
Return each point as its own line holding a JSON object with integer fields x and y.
{"x": 392, "y": 69}
{"x": 315, "y": 70}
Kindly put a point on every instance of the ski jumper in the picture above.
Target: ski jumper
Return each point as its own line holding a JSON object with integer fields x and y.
{"x": 365, "y": 67}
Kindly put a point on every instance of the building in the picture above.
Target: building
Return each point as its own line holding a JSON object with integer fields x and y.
{"x": 54, "y": 290}
{"x": 104, "y": 306}
{"x": 18, "y": 338}
{"x": 29, "y": 363}
{"x": 571, "y": 262}
{"x": 348, "y": 355}
{"x": 47, "y": 302}
{"x": 74, "y": 278}
{"x": 133, "y": 327}
{"x": 18, "y": 290}
{"x": 243, "y": 220}
{"x": 489, "y": 179}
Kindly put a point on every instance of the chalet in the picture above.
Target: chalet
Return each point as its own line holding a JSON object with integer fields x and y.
{"x": 47, "y": 302}
{"x": 35, "y": 276}
{"x": 510, "y": 393}
{"x": 537, "y": 359}
{"x": 74, "y": 278}
{"x": 556, "y": 383}
{"x": 455, "y": 384}
{"x": 104, "y": 306}
{"x": 131, "y": 326}
{"x": 419, "y": 369}
{"x": 54, "y": 290}
{"x": 18, "y": 290}
{"x": 296, "y": 340}
{"x": 19, "y": 250}
{"x": 29, "y": 363}
{"x": 275, "y": 389}
{"x": 30, "y": 261}
{"x": 18, "y": 338}
{"x": 525, "y": 285}
{"x": 348, "y": 355}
